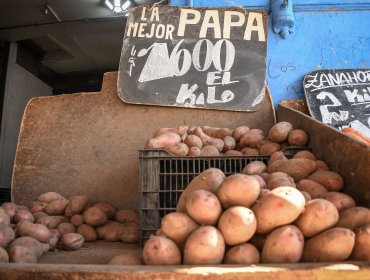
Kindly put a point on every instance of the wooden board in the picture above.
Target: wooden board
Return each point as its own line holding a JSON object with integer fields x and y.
{"x": 212, "y": 58}
{"x": 340, "y": 97}
{"x": 88, "y": 143}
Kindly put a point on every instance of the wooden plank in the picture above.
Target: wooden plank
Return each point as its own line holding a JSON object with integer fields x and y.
{"x": 88, "y": 143}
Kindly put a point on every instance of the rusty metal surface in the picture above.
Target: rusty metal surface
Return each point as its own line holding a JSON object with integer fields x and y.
{"x": 344, "y": 155}
{"x": 88, "y": 143}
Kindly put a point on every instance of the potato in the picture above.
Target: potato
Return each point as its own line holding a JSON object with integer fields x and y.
{"x": 314, "y": 189}
{"x": 237, "y": 225}
{"x": 280, "y": 131}
{"x": 88, "y": 232}
{"x": 177, "y": 227}
{"x": 37, "y": 231}
{"x": 23, "y": 215}
{"x": 180, "y": 130}
{"x": 341, "y": 201}
{"x": 274, "y": 175}
{"x": 37, "y": 206}
{"x": 7, "y": 235}
{"x": 4, "y": 218}
{"x": 332, "y": 245}
{"x": 319, "y": 215}
{"x": 233, "y": 153}
{"x": 49, "y": 197}
{"x": 361, "y": 249}
{"x": 110, "y": 226}
{"x": 254, "y": 167}
{"x": 263, "y": 193}
{"x": 251, "y": 138}
{"x": 331, "y": 180}
{"x": 193, "y": 141}
{"x": 229, "y": 143}
{"x": 72, "y": 241}
{"x": 275, "y": 157}
{"x": 238, "y": 190}
{"x": 205, "y": 245}
{"x": 281, "y": 206}
{"x": 54, "y": 238}
{"x": 159, "y": 250}
{"x": 127, "y": 216}
{"x": 10, "y": 209}
{"x": 57, "y": 207}
{"x": 194, "y": 152}
{"x": 127, "y": 259}
{"x": 258, "y": 240}
{"x": 321, "y": 165}
{"x": 113, "y": 232}
{"x": 239, "y": 131}
{"x": 209, "y": 180}
{"x": 45, "y": 247}
{"x": 269, "y": 148}
{"x": 260, "y": 180}
{"x": 277, "y": 182}
{"x": 20, "y": 254}
{"x": 216, "y": 132}
{"x": 77, "y": 220}
{"x": 208, "y": 140}
{"x": 283, "y": 245}
{"x": 4, "y": 257}
{"x": 179, "y": 150}
{"x": 129, "y": 234}
{"x": 305, "y": 154}
{"x": 28, "y": 242}
{"x": 298, "y": 137}
{"x": 247, "y": 151}
{"x": 76, "y": 205}
{"x": 306, "y": 195}
{"x": 106, "y": 208}
{"x": 242, "y": 254}
{"x": 65, "y": 228}
{"x": 93, "y": 216}
{"x": 209, "y": 151}
{"x": 163, "y": 140}
{"x": 297, "y": 168}
{"x": 51, "y": 221}
{"x": 203, "y": 207}
{"x": 354, "y": 217}
{"x": 40, "y": 214}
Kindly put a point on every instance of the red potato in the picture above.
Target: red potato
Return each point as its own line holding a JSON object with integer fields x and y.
{"x": 203, "y": 207}
{"x": 263, "y": 193}
{"x": 331, "y": 180}
{"x": 126, "y": 216}
{"x": 361, "y": 249}
{"x": 237, "y": 225}
{"x": 57, "y": 207}
{"x": 265, "y": 176}
{"x": 159, "y": 250}
{"x": 251, "y": 138}
{"x": 163, "y": 140}
{"x": 4, "y": 257}
{"x": 239, "y": 131}
{"x": 72, "y": 241}
{"x": 23, "y": 215}
{"x": 10, "y": 209}
{"x": 127, "y": 259}
{"x": 193, "y": 141}
{"x": 7, "y": 235}
{"x": 260, "y": 180}
{"x": 229, "y": 143}
{"x": 277, "y": 182}
{"x": 194, "y": 152}
{"x": 107, "y": 208}
{"x": 180, "y": 130}
{"x": 4, "y": 218}
{"x": 37, "y": 215}
{"x": 76, "y": 205}
{"x": 247, "y": 151}
{"x": 354, "y": 217}
{"x": 180, "y": 149}
{"x": 51, "y": 221}
{"x": 305, "y": 154}
{"x": 28, "y": 242}
{"x": 321, "y": 165}
{"x": 254, "y": 167}
{"x": 277, "y": 156}
{"x": 233, "y": 153}
{"x": 209, "y": 151}
{"x": 341, "y": 201}
{"x": 65, "y": 228}
{"x": 205, "y": 245}
{"x": 242, "y": 254}
{"x": 280, "y": 131}
{"x": 313, "y": 188}
{"x": 209, "y": 180}
{"x": 269, "y": 148}
{"x": 20, "y": 254}
{"x": 238, "y": 190}
{"x": 49, "y": 197}
{"x": 284, "y": 245}
{"x": 88, "y": 233}
{"x": 77, "y": 220}
{"x": 298, "y": 137}
{"x": 216, "y": 132}
{"x": 208, "y": 140}
{"x": 129, "y": 234}
{"x": 110, "y": 231}
{"x": 54, "y": 238}
{"x": 94, "y": 216}
{"x": 297, "y": 168}
{"x": 37, "y": 231}
{"x": 37, "y": 206}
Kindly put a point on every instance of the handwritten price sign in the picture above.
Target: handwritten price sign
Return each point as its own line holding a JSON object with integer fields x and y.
{"x": 194, "y": 57}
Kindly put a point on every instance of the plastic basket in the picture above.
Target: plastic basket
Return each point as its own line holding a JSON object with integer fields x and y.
{"x": 163, "y": 177}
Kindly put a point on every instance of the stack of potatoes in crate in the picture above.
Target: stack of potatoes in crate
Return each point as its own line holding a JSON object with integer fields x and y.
{"x": 287, "y": 211}
{"x": 54, "y": 222}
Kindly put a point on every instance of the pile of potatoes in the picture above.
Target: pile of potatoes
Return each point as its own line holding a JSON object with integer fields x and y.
{"x": 288, "y": 211}
{"x": 212, "y": 141}
{"x": 54, "y": 222}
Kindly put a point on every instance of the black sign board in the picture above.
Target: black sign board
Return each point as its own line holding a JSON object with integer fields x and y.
{"x": 194, "y": 57}
{"x": 340, "y": 97}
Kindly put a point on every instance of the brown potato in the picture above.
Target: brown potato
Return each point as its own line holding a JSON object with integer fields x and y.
{"x": 314, "y": 189}
{"x": 72, "y": 241}
{"x": 7, "y": 235}
{"x": 306, "y": 195}
{"x": 332, "y": 245}
{"x": 233, "y": 153}
{"x": 205, "y": 245}
{"x": 20, "y": 254}
{"x": 280, "y": 131}
{"x": 277, "y": 182}
{"x": 111, "y": 227}
{"x": 4, "y": 257}
{"x": 88, "y": 233}
{"x": 37, "y": 215}
{"x": 305, "y": 154}
{"x": 65, "y": 228}
{"x": 37, "y": 206}
{"x": 321, "y": 165}
{"x": 37, "y": 231}
{"x": 179, "y": 150}
{"x": 319, "y": 215}
{"x": 283, "y": 245}
{"x": 247, "y": 151}
{"x": 194, "y": 152}
{"x": 159, "y": 250}
{"x": 193, "y": 141}
{"x": 260, "y": 180}
{"x": 281, "y": 206}
{"x": 209, "y": 151}
{"x": 106, "y": 208}
{"x": 298, "y": 137}
{"x": 4, "y": 218}
{"x": 95, "y": 217}
{"x": 341, "y": 201}
{"x": 251, "y": 138}
{"x": 57, "y": 207}
{"x": 331, "y": 180}
{"x": 127, "y": 259}
{"x": 10, "y": 209}
{"x": 354, "y": 217}
{"x": 208, "y": 140}
{"x": 237, "y": 225}
{"x": 297, "y": 168}
{"x": 125, "y": 216}
{"x": 238, "y": 190}
{"x": 209, "y": 180}
{"x": 239, "y": 131}
{"x": 254, "y": 167}
{"x": 269, "y": 148}
{"x": 129, "y": 234}
{"x": 113, "y": 232}
{"x": 203, "y": 207}
{"x": 76, "y": 205}
{"x": 216, "y": 132}
{"x": 361, "y": 249}
{"x": 180, "y": 130}
{"x": 54, "y": 238}
{"x": 277, "y": 174}
{"x": 49, "y": 197}
{"x": 51, "y": 221}
{"x": 163, "y": 140}
{"x": 242, "y": 254}
{"x": 23, "y": 215}
{"x": 229, "y": 143}
{"x": 77, "y": 220}
{"x": 263, "y": 193}
{"x": 28, "y": 242}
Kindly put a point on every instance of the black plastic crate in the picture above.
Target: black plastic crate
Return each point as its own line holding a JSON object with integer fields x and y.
{"x": 164, "y": 177}
{"x": 4, "y": 195}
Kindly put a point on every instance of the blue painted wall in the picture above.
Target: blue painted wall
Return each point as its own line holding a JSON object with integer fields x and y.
{"x": 328, "y": 34}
